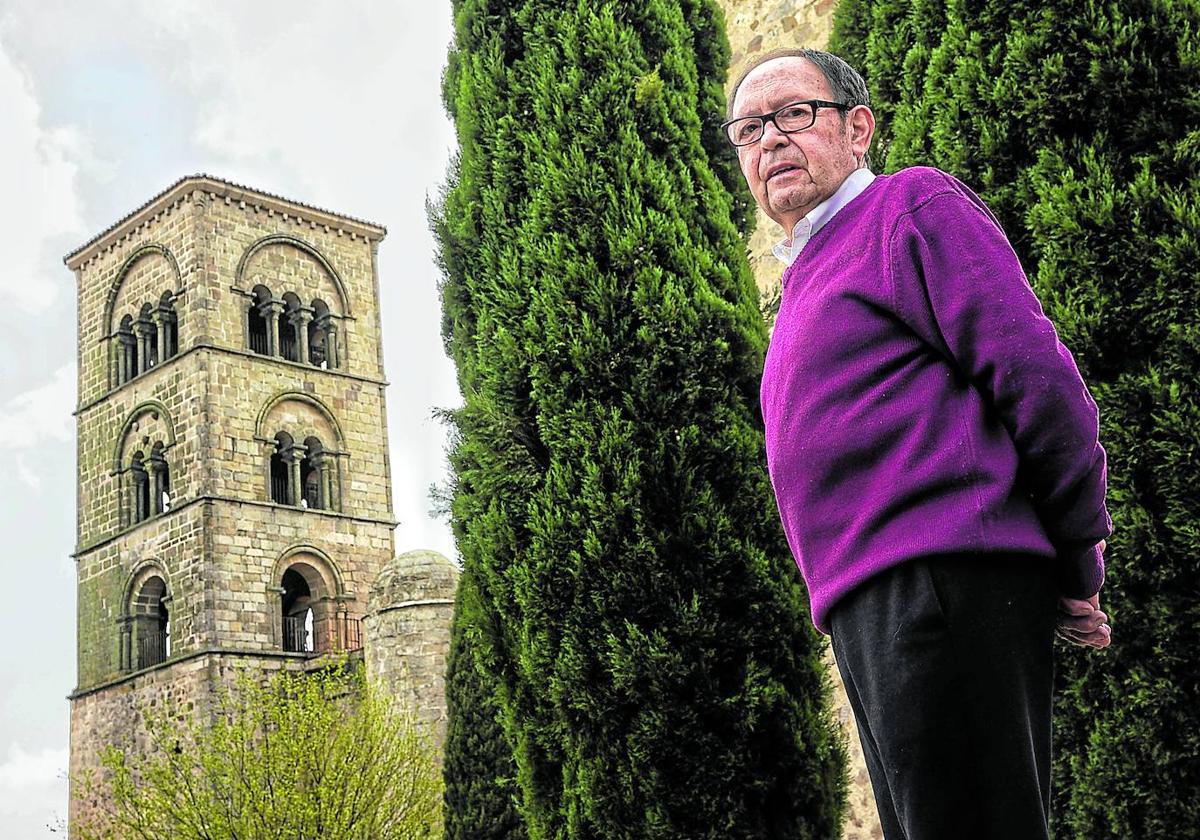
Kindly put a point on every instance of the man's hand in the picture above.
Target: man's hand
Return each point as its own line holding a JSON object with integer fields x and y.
{"x": 1083, "y": 622}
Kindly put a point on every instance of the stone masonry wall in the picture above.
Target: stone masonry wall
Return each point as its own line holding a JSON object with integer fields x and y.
{"x": 112, "y": 718}
{"x": 135, "y": 269}
{"x": 173, "y": 543}
{"x": 223, "y": 545}
{"x": 160, "y": 406}
{"x": 214, "y": 390}
{"x": 344, "y": 412}
{"x": 407, "y": 635}
{"x": 756, "y": 27}
{"x": 253, "y": 545}
{"x": 290, "y": 262}
{"x": 216, "y": 408}
{"x": 114, "y": 715}
{"x": 406, "y": 652}
{"x": 223, "y": 564}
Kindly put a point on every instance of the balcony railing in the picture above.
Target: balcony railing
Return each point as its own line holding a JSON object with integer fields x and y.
{"x": 258, "y": 340}
{"x": 328, "y": 634}
{"x": 290, "y": 347}
{"x": 151, "y": 649}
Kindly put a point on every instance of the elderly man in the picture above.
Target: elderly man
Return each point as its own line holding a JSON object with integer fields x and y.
{"x": 934, "y": 455}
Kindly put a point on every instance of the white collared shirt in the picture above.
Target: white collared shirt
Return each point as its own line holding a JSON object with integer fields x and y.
{"x": 786, "y": 250}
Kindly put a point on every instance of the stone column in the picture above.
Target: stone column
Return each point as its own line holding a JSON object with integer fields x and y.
{"x": 320, "y": 462}
{"x": 137, "y": 510}
{"x": 144, "y": 330}
{"x": 132, "y": 496}
{"x": 271, "y": 311}
{"x": 268, "y": 449}
{"x": 277, "y": 614}
{"x": 160, "y": 318}
{"x": 128, "y": 351}
{"x": 331, "y": 345}
{"x": 292, "y": 458}
{"x": 123, "y": 479}
{"x": 157, "y": 468}
{"x": 341, "y": 627}
{"x": 143, "y": 493}
{"x": 327, "y": 485}
{"x": 126, "y": 648}
{"x": 301, "y": 318}
{"x": 335, "y": 481}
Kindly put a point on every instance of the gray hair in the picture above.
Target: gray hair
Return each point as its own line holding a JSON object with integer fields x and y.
{"x": 845, "y": 83}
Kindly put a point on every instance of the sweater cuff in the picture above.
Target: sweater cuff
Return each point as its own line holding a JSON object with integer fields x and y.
{"x": 1081, "y": 575}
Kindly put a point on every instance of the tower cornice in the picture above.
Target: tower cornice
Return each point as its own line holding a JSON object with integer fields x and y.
{"x": 218, "y": 189}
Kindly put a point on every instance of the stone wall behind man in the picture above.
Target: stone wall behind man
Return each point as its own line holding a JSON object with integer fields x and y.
{"x": 756, "y": 27}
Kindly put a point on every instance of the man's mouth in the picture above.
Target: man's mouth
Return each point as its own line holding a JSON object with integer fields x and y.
{"x": 781, "y": 169}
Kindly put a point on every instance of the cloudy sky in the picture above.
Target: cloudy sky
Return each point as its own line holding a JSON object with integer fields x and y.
{"x": 104, "y": 104}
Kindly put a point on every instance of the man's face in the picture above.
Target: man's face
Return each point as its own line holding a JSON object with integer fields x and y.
{"x": 790, "y": 174}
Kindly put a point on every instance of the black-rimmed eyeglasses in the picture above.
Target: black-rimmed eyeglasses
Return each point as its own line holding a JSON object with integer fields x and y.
{"x": 793, "y": 117}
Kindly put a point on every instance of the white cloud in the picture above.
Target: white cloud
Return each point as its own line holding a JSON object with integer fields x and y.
{"x": 27, "y": 475}
{"x": 39, "y": 172}
{"x": 341, "y": 107}
{"x": 342, "y": 102}
{"x": 24, "y": 770}
{"x": 40, "y": 415}
{"x": 33, "y": 791}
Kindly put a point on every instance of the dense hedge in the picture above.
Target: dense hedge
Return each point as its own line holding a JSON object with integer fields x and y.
{"x": 478, "y": 768}
{"x": 1079, "y": 122}
{"x": 645, "y": 626}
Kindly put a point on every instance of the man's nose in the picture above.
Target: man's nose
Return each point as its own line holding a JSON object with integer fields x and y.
{"x": 772, "y": 137}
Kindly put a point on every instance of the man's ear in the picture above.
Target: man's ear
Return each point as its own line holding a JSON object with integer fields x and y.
{"x": 862, "y": 128}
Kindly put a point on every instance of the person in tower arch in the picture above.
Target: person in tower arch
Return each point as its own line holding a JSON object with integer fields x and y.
{"x": 934, "y": 454}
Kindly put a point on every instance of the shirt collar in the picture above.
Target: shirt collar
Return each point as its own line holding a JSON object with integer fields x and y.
{"x": 786, "y": 250}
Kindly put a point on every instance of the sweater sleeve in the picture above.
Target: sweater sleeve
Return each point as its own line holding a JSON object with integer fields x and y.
{"x": 956, "y": 280}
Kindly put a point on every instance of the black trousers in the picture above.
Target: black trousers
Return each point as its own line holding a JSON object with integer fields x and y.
{"x": 948, "y": 663}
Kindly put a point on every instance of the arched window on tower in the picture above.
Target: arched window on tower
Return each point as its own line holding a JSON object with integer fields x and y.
{"x": 151, "y": 625}
{"x": 312, "y": 613}
{"x": 298, "y": 619}
{"x": 127, "y": 355}
{"x": 139, "y": 490}
{"x": 258, "y": 317}
{"x": 289, "y": 339}
{"x": 168, "y": 327}
{"x": 281, "y": 470}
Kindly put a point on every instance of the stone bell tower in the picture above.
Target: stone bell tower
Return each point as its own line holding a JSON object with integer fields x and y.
{"x": 234, "y": 496}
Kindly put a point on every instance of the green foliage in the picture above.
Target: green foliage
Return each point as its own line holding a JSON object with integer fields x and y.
{"x": 479, "y": 772}
{"x": 648, "y": 90}
{"x": 655, "y": 669}
{"x": 1080, "y": 124}
{"x": 319, "y": 756}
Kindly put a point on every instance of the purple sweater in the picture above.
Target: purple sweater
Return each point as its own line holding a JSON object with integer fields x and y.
{"x": 918, "y": 402}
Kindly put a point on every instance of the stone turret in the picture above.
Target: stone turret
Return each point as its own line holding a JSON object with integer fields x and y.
{"x": 407, "y": 634}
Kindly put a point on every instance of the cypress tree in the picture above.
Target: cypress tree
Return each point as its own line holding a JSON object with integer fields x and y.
{"x": 1079, "y": 123}
{"x": 478, "y": 768}
{"x": 654, "y": 664}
